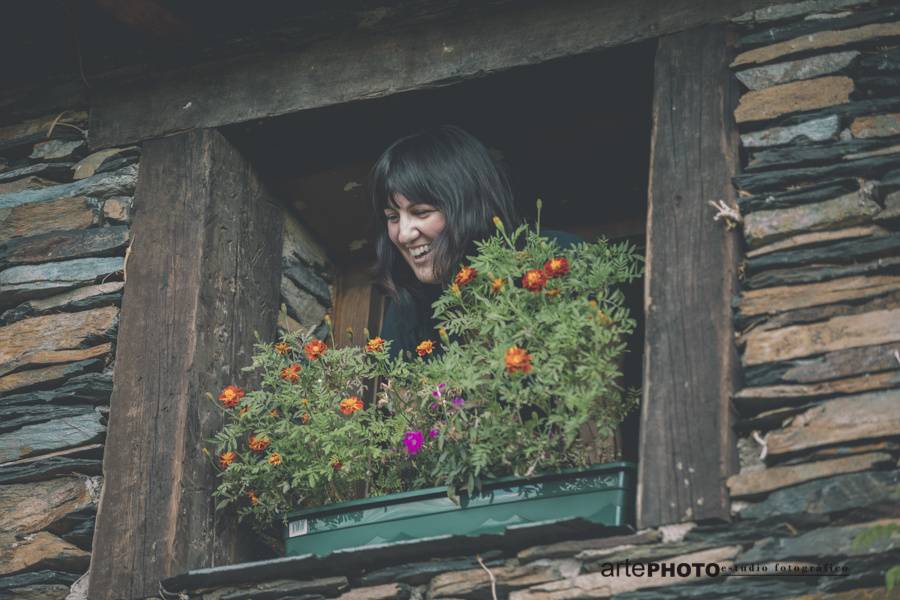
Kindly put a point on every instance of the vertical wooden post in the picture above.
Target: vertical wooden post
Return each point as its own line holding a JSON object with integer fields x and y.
{"x": 201, "y": 280}
{"x": 686, "y": 446}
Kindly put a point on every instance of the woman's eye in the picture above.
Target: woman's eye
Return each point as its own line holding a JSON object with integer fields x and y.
{"x": 391, "y": 218}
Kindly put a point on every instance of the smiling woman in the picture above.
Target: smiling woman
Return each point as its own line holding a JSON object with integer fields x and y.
{"x": 436, "y": 193}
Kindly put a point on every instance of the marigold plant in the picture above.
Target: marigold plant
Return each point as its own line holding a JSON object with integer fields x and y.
{"x": 517, "y": 377}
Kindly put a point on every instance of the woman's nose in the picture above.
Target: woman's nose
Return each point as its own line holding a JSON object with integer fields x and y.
{"x": 408, "y": 231}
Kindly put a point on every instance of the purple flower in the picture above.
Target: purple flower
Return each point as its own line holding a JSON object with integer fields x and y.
{"x": 438, "y": 390}
{"x": 458, "y": 401}
{"x": 413, "y": 441}
{"x": 433, "y": 406}
{"x": 433, "y": 433}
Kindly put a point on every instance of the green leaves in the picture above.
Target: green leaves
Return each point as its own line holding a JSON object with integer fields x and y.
{"x": 479, "y": 418}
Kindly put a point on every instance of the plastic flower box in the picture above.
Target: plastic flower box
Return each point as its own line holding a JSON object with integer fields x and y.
{"x": 602, "y": 494}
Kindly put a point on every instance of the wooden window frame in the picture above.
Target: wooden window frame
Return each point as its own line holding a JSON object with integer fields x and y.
{"x": 186, "y": 329}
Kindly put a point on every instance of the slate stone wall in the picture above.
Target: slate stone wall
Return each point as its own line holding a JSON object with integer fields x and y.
{"x": 819, "y": 334}
{"x": 64, "y": 233}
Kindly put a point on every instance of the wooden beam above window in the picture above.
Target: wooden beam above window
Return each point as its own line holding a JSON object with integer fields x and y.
{"x": 366, "y": 64}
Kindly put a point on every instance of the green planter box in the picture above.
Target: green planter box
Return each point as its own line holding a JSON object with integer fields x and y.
{"x": 601, "y": 494}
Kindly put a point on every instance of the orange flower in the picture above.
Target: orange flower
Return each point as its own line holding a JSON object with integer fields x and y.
{"x": 376, "y": 344}
{"x": 259, "y": 444}
{"x": 465, "y": 275}
{"x": 274, "y": 459}
{"x": 534, "y": 280}
{"x": 603, "y": 318}
{"x": 291, "y": 374}
{"x": 226, "y": 458}
{"x": 518, "y": 360}
{"x": 254, "y": 499}
{"x": 351, "y": 405}
{"x": 231, "y": 396}
{"x": 336, "y": 464}
{"x": 273, "y": 412}
{"x": 314, "y": 349}
{"x": 553, "y": 292}
{"x": 305, "y": 418}
{"x": 556, "y": 266}
{"x": 282, "y": 348}
{"x": 497, "y": 285}
{"x": 425, "y": 347}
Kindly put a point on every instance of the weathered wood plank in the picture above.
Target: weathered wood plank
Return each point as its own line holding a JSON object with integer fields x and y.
{"x": 798, "y": 96}
{"x": 63, "y": 245}
{"x": 199, "y": 299}
{"x": 685, "y": 448}
{"x": 767, "y": 226}
{"x": 846, "y": 419}
{"x": 819, "y": 41}
{"x": 769, "y": 301}
{"x": 376, "y": 64}
{"x": 838, "y": 333}
{"x": 55, "y": 332}
{"x": 755, "y": 483}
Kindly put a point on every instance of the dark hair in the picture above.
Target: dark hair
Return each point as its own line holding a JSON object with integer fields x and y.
{"x": 452, "y": 171}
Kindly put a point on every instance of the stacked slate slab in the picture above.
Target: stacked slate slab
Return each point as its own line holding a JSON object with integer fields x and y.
{"x": 65, "y": 215}
{"x": 64, "y": 233}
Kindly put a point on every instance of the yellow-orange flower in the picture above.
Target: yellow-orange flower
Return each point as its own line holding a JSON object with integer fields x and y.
{"x": 517, "y": 360}
{"x": 314, "y": 349}
{"x": 556, "y": 266}
{"x": 226, "y": 458}
{"x": 465, "y": 275}
{"x": 282, "y": 348}
{"x": 258, "y": 444}
{"x": 351, "y": 405}
{"x": 291, "y": 374}
{"x": 274, "y": 459}
{"x": 454, "y": 288}
{"x": 305, "y": 418}
{"x": 425, "y": 347}
{"x": 376, "y": 344}
{"x": 498, "y": 223}
{"x": 534, "y": 280}
{"x": 497, "y": 285}
{"x": 231, "y": 396}
{"x": 274, "y": 412}
{"x": 254, "y": 499}
{"x": 553, "y": 292}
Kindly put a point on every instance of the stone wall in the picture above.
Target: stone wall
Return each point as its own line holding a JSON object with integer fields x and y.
{"x": 64, "y": 233}
{"x": 819, "y": 334}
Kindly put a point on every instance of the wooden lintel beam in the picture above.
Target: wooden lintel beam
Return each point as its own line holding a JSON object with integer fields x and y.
{"x": 366, "y": 65}
{"x": 147, "y": 16}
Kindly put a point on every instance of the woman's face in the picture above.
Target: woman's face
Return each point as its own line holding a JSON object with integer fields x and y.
{"x": 412, "y": 228}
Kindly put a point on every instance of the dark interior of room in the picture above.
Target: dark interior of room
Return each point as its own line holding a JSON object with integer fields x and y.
{"x": 574, "y": 132}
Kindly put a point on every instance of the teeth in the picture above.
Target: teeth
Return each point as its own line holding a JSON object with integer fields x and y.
{"x": 419, "y": 250}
